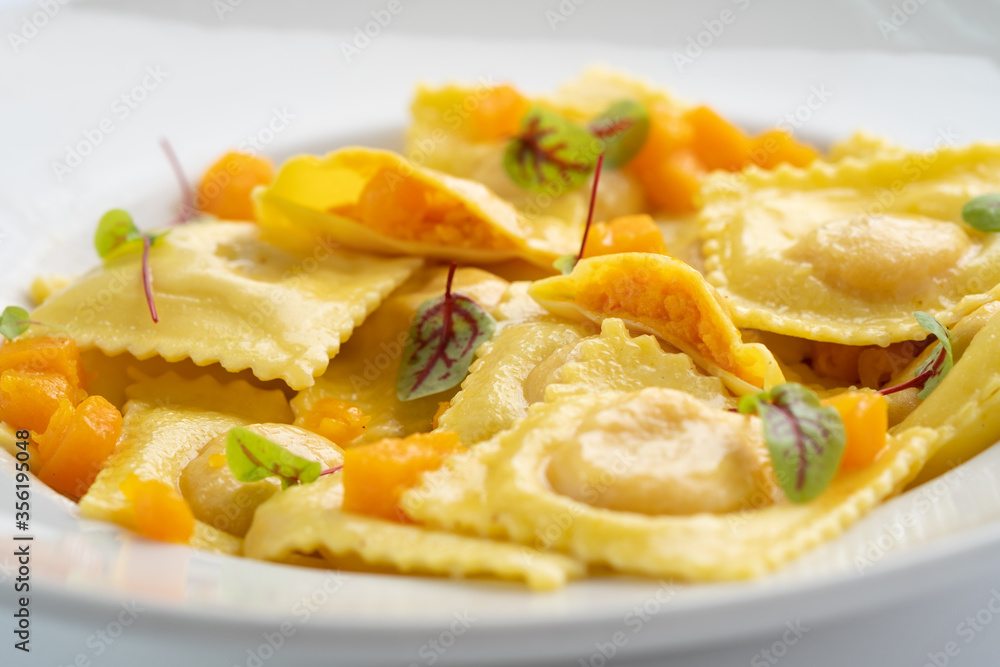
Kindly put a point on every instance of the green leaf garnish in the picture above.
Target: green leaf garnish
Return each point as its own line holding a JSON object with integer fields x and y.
{"x": 983, "y": 213}
{"x": 14, "y": 321}
{"x": 252, "y": 457}
{"x": 940, "y": 360}
{"x": 116, "y": 236}
{"x": 565, "y": 264}
{"x": 623, "y": 126}
{"x": 805, "y": 439}
{"x": 551, "y": 154}
{"x": 443, "y": 338}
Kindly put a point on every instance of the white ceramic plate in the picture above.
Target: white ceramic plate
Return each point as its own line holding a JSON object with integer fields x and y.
{"x": 881, "y": 594}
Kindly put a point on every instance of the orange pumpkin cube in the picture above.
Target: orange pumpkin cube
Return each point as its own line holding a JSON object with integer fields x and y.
{"x": 776, "y": 147}
{"x": 866, "y": 420}
{"x": 44, "y": 355}
{"x": 77, "y": 443}
{"x": 674, "y": 186}
{"x": 392, "y": 201}
{"x": 498, "y": 115}
{"x": 226, "y": 187}
{"x": 718, "y": 143}
{"x": 376, "y": 475}
{"x": 160, "y": 512}
{"x": 28, "y": 399}
{"x": 336, "y": 420}
{"x": 629, "y": 233}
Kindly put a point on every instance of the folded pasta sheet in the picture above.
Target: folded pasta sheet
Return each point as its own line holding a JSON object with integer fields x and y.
{"x": 166, "y": 422}
{"x": 625, "y": 446}
{"x": 378, "y": 201}
{"x": 225, "y": 296}
{"x": 846, "y": 252}
{"x": 308, "y": 520}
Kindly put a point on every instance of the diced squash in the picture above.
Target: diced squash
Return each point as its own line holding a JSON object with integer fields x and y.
{"x": 392, "y": 201}
{"x": 336, "y": 420}
{"x": 718, "y": 143}
{"x": 76, "y": 444}
{"x": 44, "y": 354}
{"x": 866, "y": 419}
{"x": 776, "y": 147}
{"x": 669, "y": 131}
{"x": 674, "y": 184}
{"x": 666, "y": 169}
{"x": 160, "y": 512}
{"x": 376, "y": 475}
{"x": 28, "y": 399}
{"x": 226, "y": 187}
{"x": 498, "y": 115}
{"x": 630, "y": 233}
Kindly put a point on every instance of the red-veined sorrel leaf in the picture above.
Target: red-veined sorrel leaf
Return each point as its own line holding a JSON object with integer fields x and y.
{"x": 623, "y": 127}
{"x": 551, "y": 154}
{"x": 805, "y": 439}
{"x": 252, "y": 457}
{"x": 566, "y": 263}
{"x": 983, "y": 212}
{"x": 940, "y": 360}
{"x": 443, "y": 338}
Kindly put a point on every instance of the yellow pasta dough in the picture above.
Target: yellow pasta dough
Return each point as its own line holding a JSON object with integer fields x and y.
{"x": 364, "y": 373}
{"x": 665, "y": 297}
{"x": 166, "y": 422}
{"x": 847, "y": 252}
{"x": 437, "y": 138}
{"x": 377, "y": 201}
{"x": 225, "y": 296}
{"x": 307, "y": 519}
{"x": 513, "y": 497}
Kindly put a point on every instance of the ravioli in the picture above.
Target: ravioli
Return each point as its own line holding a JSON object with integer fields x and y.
{"x": 440, "y": 120}
{"x": 225, "y": 296}
{"x": 307, "y": 519}
{"x": 492, "y": 397}
{"x": 365, "y": 371}
{"x": 222, "y": 501}
{"x": 377, "y": 201}
{"x": 966, "y": 403}
{"x": 166, "y": 421}
{"x": 847, "y": 252}
{"x": 665, "y": 297}
{"x": 514, "y": 498}
{"x": 617, "y": 361}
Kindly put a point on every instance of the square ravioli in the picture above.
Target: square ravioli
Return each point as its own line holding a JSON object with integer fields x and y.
{"x": 226, "y": 296}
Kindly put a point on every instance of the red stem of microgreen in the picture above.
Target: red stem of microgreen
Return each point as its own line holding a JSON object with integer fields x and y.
{"x": 442, "y": 350}
{"x": 147, "y": 278}
{"x": 187, "y": 202}
{"x": 449, "y": 304}
{"x": 590, "y": 212}
{"x": 920, "y": 380}
{"x": 274, "y": 469}
{"x": 330, "y": 471}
